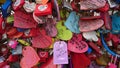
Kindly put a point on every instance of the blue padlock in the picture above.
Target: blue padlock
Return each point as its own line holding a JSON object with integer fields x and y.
{"x": 116, "y": 23}
{"x": 21, "y": 29}
{"x": 17, "y": 51}
{"x": 6, "y": 8}
{"x": 89, "y": 50}
{"x": 117, "y": 1}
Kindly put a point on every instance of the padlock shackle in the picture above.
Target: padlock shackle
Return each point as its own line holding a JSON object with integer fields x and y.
{"x": 106, "y": 46}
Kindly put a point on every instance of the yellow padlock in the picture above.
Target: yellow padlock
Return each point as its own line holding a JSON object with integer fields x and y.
{"x": 2, "y": 1}
{"x": 23, "y": 42}
{"x": 51, "y": 46}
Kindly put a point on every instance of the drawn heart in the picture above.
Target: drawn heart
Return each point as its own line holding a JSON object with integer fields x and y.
{"x": 43, "y": 54}
{"x": 63, "y": 32}
{"x": 77, "y": 45}
{"x": 91, "y": 36}
{"x": 72, "y": 22}
{"x": 92, "y": 4}
{"x": 29, "y": 7}
{"x": 87, "y": 25}
{"x": 50, "y": 28}
{"x": 41, "y": 40}
{"x": 30, "y": 57}
{"x": 48, "y": 64}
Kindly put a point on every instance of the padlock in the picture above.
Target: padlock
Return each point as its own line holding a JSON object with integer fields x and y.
{"x": 42, "y": 10}
{"x": 12, "y": 44}
{"x": 13, "y": 58}
{"x": 6, "y": 8}
{"x": 43, "y": 55}
{"x": 23, "y": 42}
{"x": 17, "y": 51}
{"x": 2, "y": 25}
{"x": 96, "y": 48}
{"x": 18, "y": 4}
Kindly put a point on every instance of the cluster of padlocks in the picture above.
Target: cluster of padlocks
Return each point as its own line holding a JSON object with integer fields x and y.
{"x": 59, "y": 34}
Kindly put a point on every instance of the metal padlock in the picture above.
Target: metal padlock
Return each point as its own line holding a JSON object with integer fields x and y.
{"x": 6, "y": 8}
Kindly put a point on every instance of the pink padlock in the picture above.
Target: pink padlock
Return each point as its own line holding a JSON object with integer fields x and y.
{"x": 12, "y": 44}
{"x": 113, "y": 65}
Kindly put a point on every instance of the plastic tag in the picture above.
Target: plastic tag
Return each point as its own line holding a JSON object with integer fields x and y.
{"x": 87, "y": 25}
{"x": 72, "y": 22}
{"x": 24, "y": 20}
{"x": 17, "y": 51}
{"x": 30, "y": 57}
{"x": 77, "y": 45}
{"x": 60, "y": 55}
{"x": 63, "y": 32}
{"x": 91, "y": 36}
{"x": 18, "y": 4}
{"x": 29, "y": 7}
{"x": 42, "y": 40}
{"x": 6, "y": 8}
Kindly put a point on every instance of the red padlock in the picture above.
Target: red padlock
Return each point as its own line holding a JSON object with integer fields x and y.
{"x": 43, "y": 55}
{"x": 95, "y": 47}
{"x": 105, "y": 8}
{"x": 18, "y": 4}
{"x": 115, "y": 40}
{"x": 43, "y": 9}
{"x": 13, "y": 58}
{"x": 2, "y": 25}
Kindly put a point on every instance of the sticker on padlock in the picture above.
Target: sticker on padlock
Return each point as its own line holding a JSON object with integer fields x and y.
{"x": 42, "y": 10}
{"x": 30, "y": 57}
{"x": 6, "y": 8}
{"x": 60, "y": 55}
{"x": 18, "y": 4}
{"x": 72, "y": 22}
